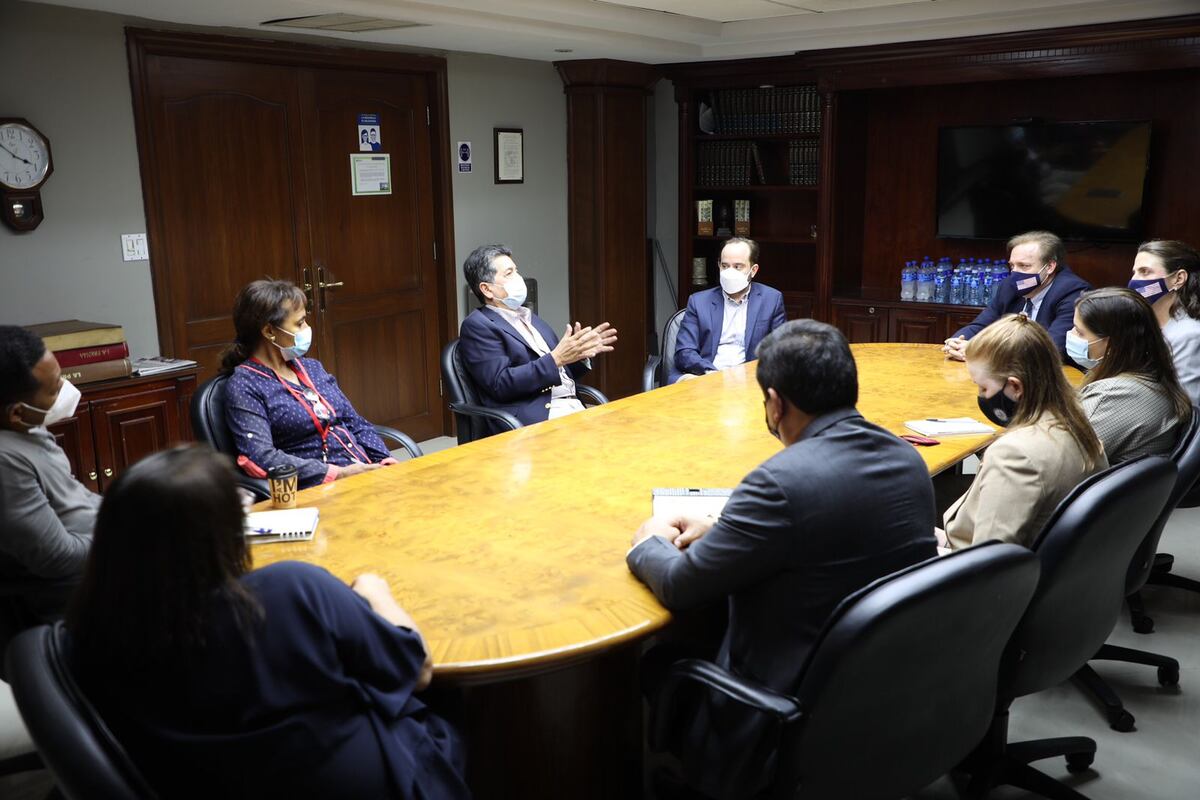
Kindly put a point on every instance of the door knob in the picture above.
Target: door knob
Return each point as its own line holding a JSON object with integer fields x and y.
{"x": 107, "y": 472}
{"x": 92, "y": 475}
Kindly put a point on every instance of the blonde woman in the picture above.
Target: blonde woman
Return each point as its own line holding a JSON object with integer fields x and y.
{"x": 1049, "y": 445}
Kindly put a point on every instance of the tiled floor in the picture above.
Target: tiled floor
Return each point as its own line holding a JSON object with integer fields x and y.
{"x": 1160, "y": 760}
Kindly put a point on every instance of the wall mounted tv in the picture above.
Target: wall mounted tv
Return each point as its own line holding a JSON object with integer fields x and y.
{"x": 1081, "y": 180}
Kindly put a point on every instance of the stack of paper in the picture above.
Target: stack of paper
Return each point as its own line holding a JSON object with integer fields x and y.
{"x": 948, "y": 427}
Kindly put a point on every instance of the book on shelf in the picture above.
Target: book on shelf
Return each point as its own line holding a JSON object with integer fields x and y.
{"x": 72, "y": 334}
{"x": 767, "y": 111}
{"x": 283, "y": 525}
{"x": 741, "y": 217}
{"x": 704, "y": 217}
{"x": 758, "y": 164}
{"x": 90, "y": 355}
{"x": 100, "y": 371}
{"x": 157, "y": 364}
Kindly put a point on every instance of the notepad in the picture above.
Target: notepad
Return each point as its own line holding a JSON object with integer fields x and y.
{"x": 286, "y": 525}
{"x": 948, "y": 427}
{"x": 689, "y": 502}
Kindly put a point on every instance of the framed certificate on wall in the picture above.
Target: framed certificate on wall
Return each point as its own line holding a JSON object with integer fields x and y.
{"x": 510, "y": 155}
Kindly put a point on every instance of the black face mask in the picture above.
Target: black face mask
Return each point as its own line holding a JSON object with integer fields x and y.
{"x": 767, "y": 420}
{"x": 999, "y": 408}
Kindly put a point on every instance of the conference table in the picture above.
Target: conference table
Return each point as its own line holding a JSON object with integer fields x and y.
{"x": 509, "y": 552}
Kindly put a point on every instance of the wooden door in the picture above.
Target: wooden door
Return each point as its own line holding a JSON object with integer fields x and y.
{"x": 378, "y": 321}
{"x": 74, "y": 436}
{"x": 130, "y": 428}
{"x": 916, "y": 326}
{"x": 226, "y": 198}
{"x": 861, "y": 324}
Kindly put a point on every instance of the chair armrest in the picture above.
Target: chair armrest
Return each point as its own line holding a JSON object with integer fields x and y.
{"x": 472, "y": 410}
{"x": 255, "y": 486}
{"x": 589, "y": 393}
{"x": 648, "y": 373}
{"x": 709, "y": 675}
{"x": 391, "y": 435}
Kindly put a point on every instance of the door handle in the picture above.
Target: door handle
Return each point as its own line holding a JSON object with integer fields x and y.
{"x": 92, "y": 475}
{"x": 107, "y": 472}
{"x": 334, "y": 285}
{"x": 308, "y": 288}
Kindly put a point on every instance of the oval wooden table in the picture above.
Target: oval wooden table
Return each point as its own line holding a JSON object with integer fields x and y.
{"x": 510, "y": 554}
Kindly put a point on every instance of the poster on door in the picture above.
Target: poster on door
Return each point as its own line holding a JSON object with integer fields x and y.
{"x": 370, "y": 174}
{"x": 370, "y": 133}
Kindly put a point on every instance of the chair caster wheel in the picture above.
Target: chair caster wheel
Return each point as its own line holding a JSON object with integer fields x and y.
{"x": 1119, "y": 721}
{"x": 1080, "y": 762}
{"x": 1168, "y": 676}
{"x": 1143, "y": 625}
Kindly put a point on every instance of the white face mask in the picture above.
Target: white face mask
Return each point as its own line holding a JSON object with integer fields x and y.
{"x": 517, "y": 292}
{"x": 734, "y": 280}
{"x": 63, "y": 407}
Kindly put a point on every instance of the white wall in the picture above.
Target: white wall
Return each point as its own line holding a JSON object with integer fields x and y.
{"x": 65, "y": 71}
{"x": 71, "y": 266}
{"x": 489, "y": 92}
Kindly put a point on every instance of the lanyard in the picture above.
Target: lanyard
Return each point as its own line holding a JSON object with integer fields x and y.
{"x": 322, "y": 429}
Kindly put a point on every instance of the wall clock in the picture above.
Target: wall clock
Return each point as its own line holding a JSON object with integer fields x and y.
{"x": 25, "y": 164}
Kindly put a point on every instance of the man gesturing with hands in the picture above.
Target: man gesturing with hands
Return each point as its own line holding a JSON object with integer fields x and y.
{"x": 516, "y": 361}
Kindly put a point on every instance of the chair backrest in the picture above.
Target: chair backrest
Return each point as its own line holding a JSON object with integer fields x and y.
{"x": 85, "y": 758}
{"x": 1186, "y": 458}
{"x": 901, "y": 684}
{"x": 460, "y": 388}
{"x": 208, "y": 416}
{"x": 1085, "y": 550}
{"x": 670, "y": 333}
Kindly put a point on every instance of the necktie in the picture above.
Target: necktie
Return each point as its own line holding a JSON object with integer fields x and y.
{"x": 1027, "y": 311}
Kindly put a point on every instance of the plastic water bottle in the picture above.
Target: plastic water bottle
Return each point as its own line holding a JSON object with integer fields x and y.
{"x": 908, "y": 281}
{"x": 974, "y": 289}
{"x": 956, "y": 286}
{"x": 999, "y": 273}
{"x": 985, "y": 285}
{"x": 941, "y": 286}
{"x": 925, "y": 281}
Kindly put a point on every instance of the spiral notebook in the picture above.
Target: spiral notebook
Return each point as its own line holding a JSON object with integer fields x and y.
{"x": 286, "y": 525}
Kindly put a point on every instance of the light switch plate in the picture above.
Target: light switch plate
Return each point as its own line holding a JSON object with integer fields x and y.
{"x": 133, "y": 247}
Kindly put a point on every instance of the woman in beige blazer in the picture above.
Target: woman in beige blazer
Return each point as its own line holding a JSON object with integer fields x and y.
{"x": 1049, "y": 445}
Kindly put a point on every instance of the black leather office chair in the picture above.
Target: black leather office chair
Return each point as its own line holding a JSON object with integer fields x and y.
{"x": 897, "y": 690}
{"x": 1085, "y": 551}
{"x": 208, "y": 425}
{"x": 1160, "y": 571}
{"x": 1186, "y": 458}
{"x": 470, "y": 412}
{"x": 655, "y": 372}
{"x": 87, "y": 761}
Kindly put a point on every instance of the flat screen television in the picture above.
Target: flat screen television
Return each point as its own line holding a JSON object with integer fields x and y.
{"x": 1081, "y": 180}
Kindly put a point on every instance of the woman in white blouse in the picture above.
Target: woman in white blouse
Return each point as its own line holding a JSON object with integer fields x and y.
{"x": 1167, "y": 274}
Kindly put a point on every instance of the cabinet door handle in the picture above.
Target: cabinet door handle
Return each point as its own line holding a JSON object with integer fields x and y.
{"x": 92, "y": 475}
{"x": 107, "y": 472}
{"x": 333, "y": 285}
{"x": 871, "y": 310}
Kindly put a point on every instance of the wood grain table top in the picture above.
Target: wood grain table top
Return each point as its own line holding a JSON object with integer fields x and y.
{"x": 509, "y": 552}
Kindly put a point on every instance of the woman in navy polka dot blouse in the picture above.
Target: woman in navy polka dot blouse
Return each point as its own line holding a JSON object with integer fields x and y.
{"x": 286, "y": 409}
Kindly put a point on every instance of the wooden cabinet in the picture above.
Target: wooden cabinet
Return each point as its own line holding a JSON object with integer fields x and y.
{"x": 861, "y": 323}
{"x": 797, "y": 305}
{"x": 957, "y": 320}
{"x": 916, "y": 326}
{"x": 120, "y": 421}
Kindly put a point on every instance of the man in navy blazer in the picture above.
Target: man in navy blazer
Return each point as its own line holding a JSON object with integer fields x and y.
{"x": 516, "y": 361}
{"x": 723, "y": 325}
{"x": 1039, "y": 286}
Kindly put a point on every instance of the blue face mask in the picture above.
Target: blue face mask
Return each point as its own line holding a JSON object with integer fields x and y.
{"x": 516, "y": 290}
{"x": 1078, "y": 347}
{"x": 1025, "y": 283}
{"x": 301, "y": 341}
{"x": 1153, "y": 289}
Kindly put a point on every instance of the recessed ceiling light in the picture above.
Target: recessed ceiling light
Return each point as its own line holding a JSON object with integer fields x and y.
{"x": 563, "y": 50}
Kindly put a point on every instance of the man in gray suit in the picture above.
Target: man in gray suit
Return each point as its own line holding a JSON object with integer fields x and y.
{"x": 845, "y": 502}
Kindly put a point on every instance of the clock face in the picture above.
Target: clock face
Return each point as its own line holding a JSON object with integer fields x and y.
{"x": 24, "y": 156}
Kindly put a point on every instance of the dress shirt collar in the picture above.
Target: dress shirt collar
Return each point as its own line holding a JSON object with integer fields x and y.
{"x": 744, "y": 298}
{"x": 521, "y": 314}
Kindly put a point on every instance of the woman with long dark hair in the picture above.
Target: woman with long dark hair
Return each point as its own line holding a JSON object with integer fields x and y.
{"x": 222, "y": 682}
{"x": 1130, "y": 393}
{"x": 1047, "y": 448}
{"x": 1167, "y": 274}
{"x": 282, "y": 408}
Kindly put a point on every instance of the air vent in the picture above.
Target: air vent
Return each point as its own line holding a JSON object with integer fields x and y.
{"x": 347, "y": 23}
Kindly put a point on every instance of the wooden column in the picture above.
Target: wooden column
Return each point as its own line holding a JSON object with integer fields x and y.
{"x": 606, "y": 162}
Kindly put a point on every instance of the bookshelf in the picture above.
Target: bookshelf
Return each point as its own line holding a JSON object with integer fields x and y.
{"x": 759, "y": 144}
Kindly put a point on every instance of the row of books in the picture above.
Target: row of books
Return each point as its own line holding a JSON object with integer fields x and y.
{"x": 88, "y": 352}
{"x": 739, "y": 163}
{"x": 802, "y": 164}
{"x": 781, "y": 109}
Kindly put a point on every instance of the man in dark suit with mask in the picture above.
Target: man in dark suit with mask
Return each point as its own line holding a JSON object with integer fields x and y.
{"x": 513, "y": 356}
{"x": 794, "y": 539}
{"x": 1040, "y": 286}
